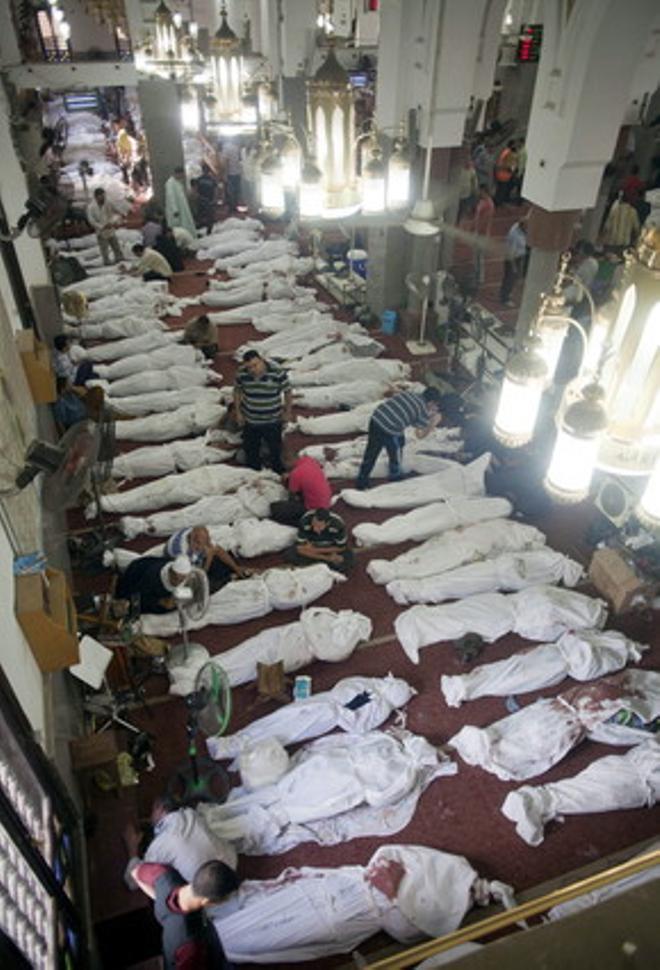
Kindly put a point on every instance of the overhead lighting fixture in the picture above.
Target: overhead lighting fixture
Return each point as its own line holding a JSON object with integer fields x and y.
{"x": 576, "y": 448}
{"x": 522, "y": 389}
{"x": 421, "y": 221}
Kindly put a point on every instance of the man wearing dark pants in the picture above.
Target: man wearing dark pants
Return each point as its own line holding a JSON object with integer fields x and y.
{"x": 322, "y": 537}
{"x": 262, "y": 398}
{"x": 388, "y": 423}
{"x": 308, "y": 489}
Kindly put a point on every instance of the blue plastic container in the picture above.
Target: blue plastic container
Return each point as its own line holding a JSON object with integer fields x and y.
{"x": 388, "y": 321}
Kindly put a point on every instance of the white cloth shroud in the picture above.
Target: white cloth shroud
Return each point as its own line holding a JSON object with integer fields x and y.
{"x": 129, "y": 326}
{"x": 274, "y": 323}
{"x": 455, "y": 548}
{"x": 249, "y": 292}
{"x": 422, "y": 455}
{"x": 158, "y": 359}
{"x": 296, "y": 342}
{"x": 184, "y": 841}
{"x": 251, "y": 312}
{"x": 347, "y": 346}
{"x": 422, "y": 523}
{"x": 182, "y": 488}
{"x": 455, "y": 479}
{"x": 320, "y": 714}
{"x": 537, "y": 737}
{"x": 268, "y": 249}
{"x": 247, "y": 599}
{"x": 354, "y": 369}
{"x": 310, "y": 913}
{"x": 610, "y": 784}
{"x": 247, "y": 502}
{"x": 368, "y": 784}
{"x": 151, "y": 461}
{"x": 318, "y": 634}
{"x": 152, "y": 381}
{"x": 537, "y": 613}
{"x": 167, "y": 425}
{"x": 508, "y": 572}
{"x": 286, "y": 265}
{"x": 140, "y": 405}
{"x": 583, "y": 655}
{"x": 246, "y": 538}
{"x": 143, "y": 344}
{"x": 348, "y": 394}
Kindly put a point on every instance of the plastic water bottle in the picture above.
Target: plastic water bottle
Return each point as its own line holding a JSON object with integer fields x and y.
{"x": 302, "y": 688}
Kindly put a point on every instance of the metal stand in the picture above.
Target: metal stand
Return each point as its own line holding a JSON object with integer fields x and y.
{"x": 112, "y": 708}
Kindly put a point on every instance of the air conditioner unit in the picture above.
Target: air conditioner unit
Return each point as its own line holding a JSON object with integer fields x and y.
{"x": 617, "y": 497}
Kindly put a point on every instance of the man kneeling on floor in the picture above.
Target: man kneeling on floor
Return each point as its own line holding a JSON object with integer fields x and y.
{"x": 154, "y": 579}
{"x": 322, "y": 537}
{"x": 189, "y": 938}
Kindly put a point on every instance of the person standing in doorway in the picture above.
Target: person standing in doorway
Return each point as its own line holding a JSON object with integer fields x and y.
{"x": 514, "y": 261}
{"x": 207, "y": 198}
{"x": 177, "y": 210}
{"x": 262, "y": 398}
{"x": 103, "y": 218}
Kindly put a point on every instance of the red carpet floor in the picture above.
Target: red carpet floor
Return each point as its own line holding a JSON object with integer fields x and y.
{"x": 459, "y": 814}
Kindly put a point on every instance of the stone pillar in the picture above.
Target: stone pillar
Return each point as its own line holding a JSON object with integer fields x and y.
{"x": 161, "y": 117}
{"x": 388, "y": 250}
{"x": 549, "y": 234}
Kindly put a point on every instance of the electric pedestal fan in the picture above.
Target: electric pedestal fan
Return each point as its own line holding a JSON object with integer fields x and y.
{"x": 209, "y": 710}
{"x": 66, "y": 465}
{"x": 192, "y": 601}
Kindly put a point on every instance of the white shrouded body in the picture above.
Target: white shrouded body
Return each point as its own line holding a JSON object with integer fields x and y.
{"x": 517, "y": 412}
{"x": 572, "y": 466}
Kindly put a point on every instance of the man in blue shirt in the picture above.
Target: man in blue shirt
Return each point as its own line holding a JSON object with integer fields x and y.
{"x": 514, "y": 260}
{"x": 388, "y": 423}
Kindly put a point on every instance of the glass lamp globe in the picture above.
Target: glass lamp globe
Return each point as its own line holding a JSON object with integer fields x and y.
{"x": 520, "y": 399}
{"x": 373, "y": 184}
{"x": 576, "y": 448}
{"x": 398, "y": 176}
{"x": 271, "y": 186}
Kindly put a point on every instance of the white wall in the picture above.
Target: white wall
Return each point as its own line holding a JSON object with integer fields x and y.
{"x": 18, "y": 663}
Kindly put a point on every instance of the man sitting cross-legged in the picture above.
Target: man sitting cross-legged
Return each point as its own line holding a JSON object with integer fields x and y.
{"x": 322, "y": 537}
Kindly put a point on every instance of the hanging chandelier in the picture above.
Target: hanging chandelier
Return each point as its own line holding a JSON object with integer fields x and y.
{"x": 225, "y": 106}
{"x": 171, "y": 52}
{"x": 609, "y": 416}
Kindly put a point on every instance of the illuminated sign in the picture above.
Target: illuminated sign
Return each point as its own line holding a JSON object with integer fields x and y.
{"x": 529, "y": 43}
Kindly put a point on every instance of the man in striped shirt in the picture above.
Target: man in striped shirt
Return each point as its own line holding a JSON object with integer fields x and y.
{"x": 262, "y": 397}
{"x": 388, "y": 423}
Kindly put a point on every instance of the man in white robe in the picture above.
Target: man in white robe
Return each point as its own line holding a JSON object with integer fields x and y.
{"x": 177, "y": 208}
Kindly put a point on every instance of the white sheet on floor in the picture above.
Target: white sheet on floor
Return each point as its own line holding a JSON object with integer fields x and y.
{"x": 142, "y": 344}
{"x": 537, "y": 737}
{"x": 430, "y": 520}
{"x": 268, "y": 249}
{"x": 297, "y": 341}
{"x": 185, "y": 420}
{"x": 455, "y": 548}
{"x": 248, "y": 502}
{"x": 422, "y": 455}
{"x": 262, "y": 308}
{"x": 153, "y": 461}
{"x": 345, "y": 348}
{"x": 506, "y": 573}
{"x": 610, "y": 784}
{"x": 182, "y": 488}
{"x": 276, "y": 289}
{"x": 286, "y": 265}
{"x": 310, "y": 913}
{"x": 247, "y": 538}
{"x": 349, "y": 394}
{"x": 129, "y": 326}
{"x": 159, "y": 359}
{"x": 320, "y": 714}
{"x": 352, "y": 370}
{"x": 583, "y": 656}
{"x": 185, "y": 842}
{"x": 140, "y": 405}
{"x": 174, "y": 378}
{"x": 319, "y": 634}
{"x": 228, "y": 244}
{"x": 537, "y": 613}
{"x": 454, "y": 480}
{"x": 247, "y": 599}
{"x": 330, "y": 777}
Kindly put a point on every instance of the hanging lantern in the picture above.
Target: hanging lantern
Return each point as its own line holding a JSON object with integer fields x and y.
{"x": 265, "y": 101}
{"x": 648, "y": 510}
{"x": 631, "y": 372}
{"x": 271, "y": 188}
{"x": 310, "y": 200}
{"x": 291, "y": 157}
{"x": 576, "y": 448}
{"x": 166, "y": 45}
{"x": 551, "y": 329}
{"x": 520, "y": 397}
{"x": 330, "y": 114}
{"x": 226, "y": 72}
{"x": 398, "y": 176}
{"x": 373, "y": 184}
{"x": 190, "y": 115}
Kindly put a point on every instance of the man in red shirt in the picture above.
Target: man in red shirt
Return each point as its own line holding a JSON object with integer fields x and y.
{"x": 189, "y": 940}
{"x": 308, "y": 489}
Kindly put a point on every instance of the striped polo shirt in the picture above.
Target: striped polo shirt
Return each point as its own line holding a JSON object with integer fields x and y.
{"x": 261, "y": 397}
{"x": 400, "y": 412}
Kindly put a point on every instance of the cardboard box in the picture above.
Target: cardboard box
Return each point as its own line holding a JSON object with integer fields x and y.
{"x": 617, "y": 580}
{"x": 46, "y": 614}
{"x": 35, "y": 357}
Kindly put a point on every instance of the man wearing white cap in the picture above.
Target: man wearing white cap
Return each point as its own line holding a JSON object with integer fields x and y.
{"x": 153, "y": 579}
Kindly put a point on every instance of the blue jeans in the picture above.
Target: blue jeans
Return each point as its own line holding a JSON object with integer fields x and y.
{"x": 376, "y": 441}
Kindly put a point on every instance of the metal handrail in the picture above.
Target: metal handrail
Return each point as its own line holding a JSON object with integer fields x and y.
{"x": 507, "y": 918}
